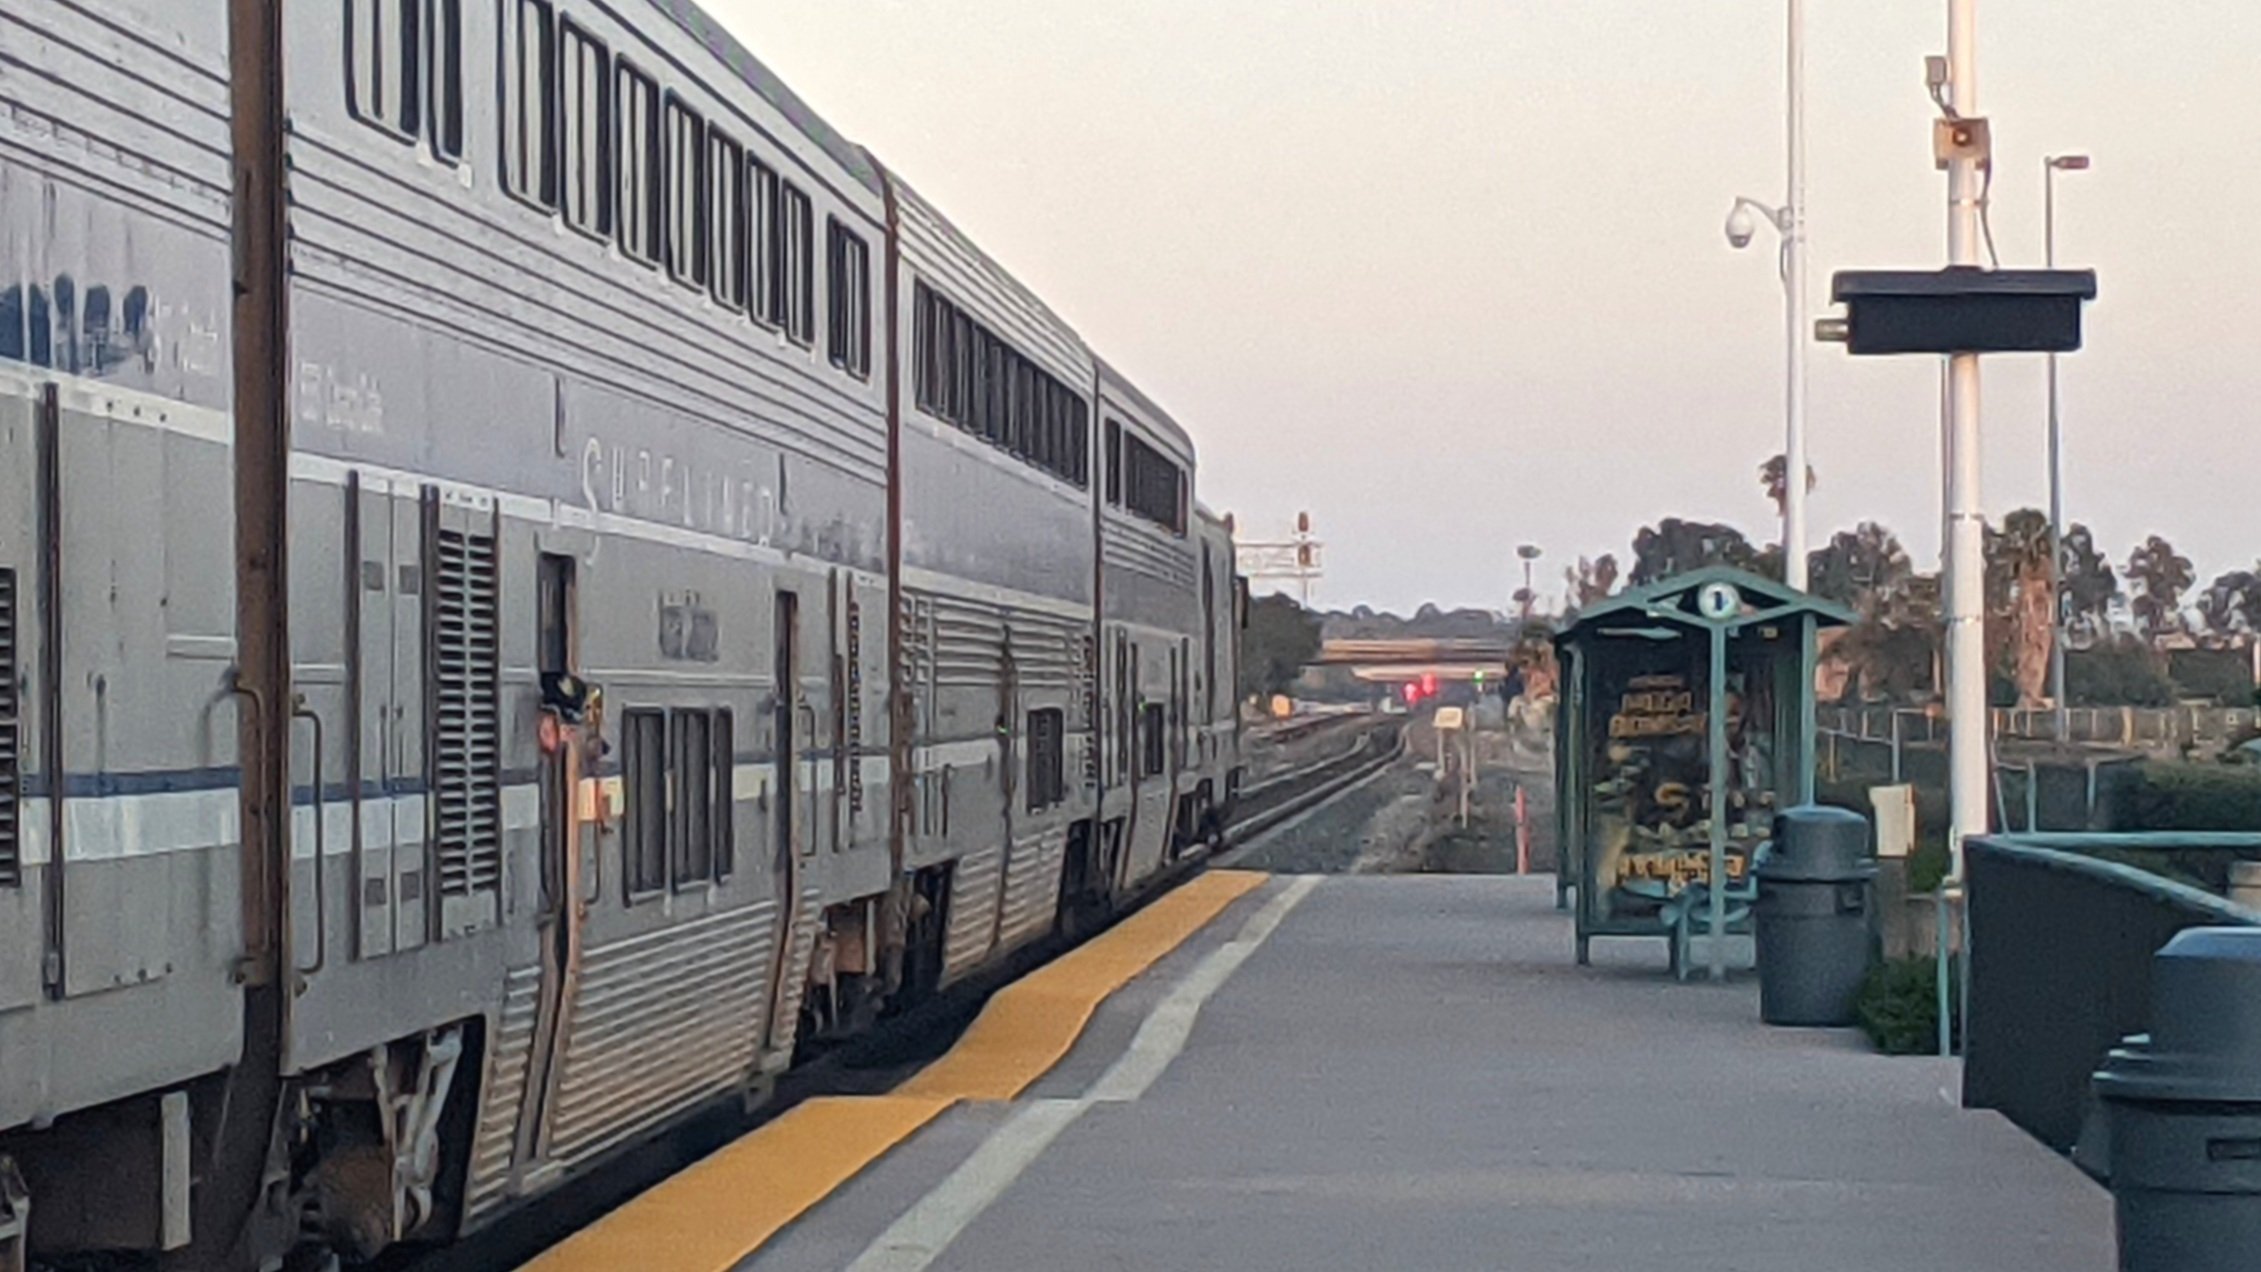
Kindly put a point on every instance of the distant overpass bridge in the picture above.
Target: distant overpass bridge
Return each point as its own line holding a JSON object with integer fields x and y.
{"x": 1397, "y": 661}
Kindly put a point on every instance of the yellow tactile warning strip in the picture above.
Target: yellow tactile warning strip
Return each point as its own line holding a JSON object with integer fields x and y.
{"x": 1030, "y": 1024}
{"x": 710, "y": 1217}
{"x": 713, "y": 1215}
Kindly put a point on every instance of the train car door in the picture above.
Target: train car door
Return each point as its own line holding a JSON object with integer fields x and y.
{"x": 571, "y": 864}
{"x": 789, "y": 830}
{"x": 25, "y": 938}
{"x": 1008, "y": 733}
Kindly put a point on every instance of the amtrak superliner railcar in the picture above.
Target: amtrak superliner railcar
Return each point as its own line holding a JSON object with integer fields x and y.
{"x": 537, "y": 580}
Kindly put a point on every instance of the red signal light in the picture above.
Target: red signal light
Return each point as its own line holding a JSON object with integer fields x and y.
{"x": 1429, "y": 684}
{"x": 1412, "y": 693}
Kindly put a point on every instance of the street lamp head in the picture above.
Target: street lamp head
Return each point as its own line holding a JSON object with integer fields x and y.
{"x": 1529, "y": 552}
{"x": 2069, "y": 163}
{"x": 1740, "y": 226}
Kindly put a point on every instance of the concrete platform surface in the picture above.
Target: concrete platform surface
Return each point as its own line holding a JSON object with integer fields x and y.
{"x": 1410, "y": 1074}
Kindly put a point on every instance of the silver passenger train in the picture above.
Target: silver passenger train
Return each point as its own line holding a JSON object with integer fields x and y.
{"x": 536, "y": 579}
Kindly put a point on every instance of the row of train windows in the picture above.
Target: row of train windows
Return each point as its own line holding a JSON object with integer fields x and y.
{"x": 1144, "y": 480}
{"x": 591, "y": 138}
{"x": 969, "y": 376}
{"x": 676, "y": 769}
{"x": 1048, "y": 759}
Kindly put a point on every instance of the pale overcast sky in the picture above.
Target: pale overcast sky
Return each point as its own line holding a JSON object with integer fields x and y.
{"x": 1450, "y": 273}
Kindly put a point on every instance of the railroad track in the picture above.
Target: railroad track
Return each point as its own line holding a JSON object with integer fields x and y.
{"x": 1273, "y": 801}
{"x": 882, "y": 1058}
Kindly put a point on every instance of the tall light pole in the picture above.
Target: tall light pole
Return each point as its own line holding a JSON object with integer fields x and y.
{"x": 1968, "y": 723}
{"x": 2050, "y": 167}
{"x": 1529, "y": 596}
{"x": 1789, "y": 221}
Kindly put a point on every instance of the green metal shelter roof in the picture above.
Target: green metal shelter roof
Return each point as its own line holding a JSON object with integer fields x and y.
{"x": 1674, "y": 600}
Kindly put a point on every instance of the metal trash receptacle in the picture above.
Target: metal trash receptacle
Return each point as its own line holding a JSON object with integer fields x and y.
{"x": 2184, "y": 1104}
{"x": 1815, "y": 916}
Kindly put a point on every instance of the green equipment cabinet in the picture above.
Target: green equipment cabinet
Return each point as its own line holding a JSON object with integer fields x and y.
{"x": 1686, "y": 721}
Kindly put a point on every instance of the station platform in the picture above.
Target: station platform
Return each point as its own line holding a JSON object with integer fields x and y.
{"x": 1401, "y": 1073}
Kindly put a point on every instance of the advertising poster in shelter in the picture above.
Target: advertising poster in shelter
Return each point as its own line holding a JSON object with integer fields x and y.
{"x": 1649, "y": 832}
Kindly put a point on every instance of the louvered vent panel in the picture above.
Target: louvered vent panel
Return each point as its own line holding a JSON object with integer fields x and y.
{"x": 466, "y": 713}
{"x": 11, "y": 741}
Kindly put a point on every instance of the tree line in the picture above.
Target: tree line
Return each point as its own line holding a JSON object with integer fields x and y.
{"x": 2119, "y": 618}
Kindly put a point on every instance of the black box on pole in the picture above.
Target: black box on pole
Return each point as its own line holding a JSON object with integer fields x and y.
{"x": 1963, "y": 309}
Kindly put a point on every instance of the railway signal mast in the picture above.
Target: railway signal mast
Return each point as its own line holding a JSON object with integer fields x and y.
{"x": 1294, "y": 560}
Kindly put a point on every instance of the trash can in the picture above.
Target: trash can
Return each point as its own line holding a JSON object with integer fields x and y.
{"x": 2183, "y": 1105}
{"x": 1814, "y": 918}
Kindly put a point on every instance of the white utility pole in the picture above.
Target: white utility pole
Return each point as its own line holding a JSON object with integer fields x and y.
{"x": 1968, "y": 721}
{"x": 1797, "y": 329}
{"x": 1789, "y": 220}
{"x": 2050, "y": 167}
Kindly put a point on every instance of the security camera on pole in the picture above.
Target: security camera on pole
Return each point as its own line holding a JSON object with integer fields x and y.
{"x": 1789, "y": 221}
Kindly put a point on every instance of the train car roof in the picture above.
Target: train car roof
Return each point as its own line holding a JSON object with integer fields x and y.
{"x": 1118, "y": 384}
{"x": 981, "y": 283}
{"x": 725, "y": 47}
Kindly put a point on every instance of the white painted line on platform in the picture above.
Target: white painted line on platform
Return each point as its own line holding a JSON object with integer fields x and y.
{"x": 1164, "y": 1033}
{"x": 919, "y": 1236}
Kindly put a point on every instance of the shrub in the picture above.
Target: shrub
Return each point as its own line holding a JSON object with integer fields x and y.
{"x": 2120, "y": 674}
{"x": 1899, "y": 1007}
{"x": 2223, "y": 677}
{"x": 2166, "y": 795}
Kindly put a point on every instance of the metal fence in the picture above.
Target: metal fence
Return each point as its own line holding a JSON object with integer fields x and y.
{"x": 2061, "y": 941}
{"x": 2134, "y": 728}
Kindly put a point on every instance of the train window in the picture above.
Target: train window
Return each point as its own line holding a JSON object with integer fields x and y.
{"x": 1115, "y": 463}
{"x": 636, "y": 132}
{"x": 795, "y": 281}
{"x": 643, "y": 767}
{"x": 1028, "y": 437}
{"x": 848, "y": 290}
{"x": 1153, "y": 485}
{"x": 553, "y": 620}
{"x": 383, "y": 49}
{"x": 964, "y": 355}
{"x": 923, "y": 342}
{"x": 446, "y": 75}
{"x": 726, "y": 218}
{"x": 11, "y": 741}
{"x": 1047, "y": 758}
{"x": 1079, "y": 430}
{"x": 725, "y": 754}
{"x": 585, "y": 132}
{"x": 686, "y": 173}
{"x": 691, "y": 790}
{"x": 529, "y": 122}
{"x": 992, "y": 383}
{"x": 1153, "y": 739}
{"x": 765, "y": 245}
